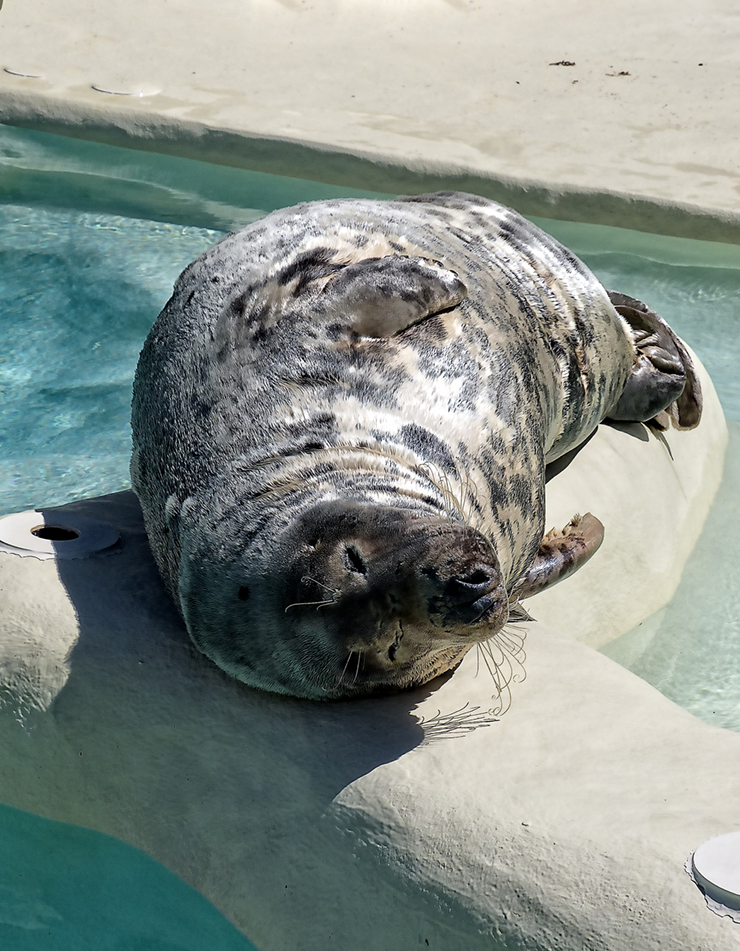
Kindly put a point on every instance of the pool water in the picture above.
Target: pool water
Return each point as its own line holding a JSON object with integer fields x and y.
{"x": 63, "y": 888}
{"x": 80, "y": 291}
{"x": 91, "y": 240}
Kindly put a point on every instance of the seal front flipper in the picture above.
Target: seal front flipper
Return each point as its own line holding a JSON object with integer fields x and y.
{"x": 663, "y": 377}
{"x": 380, "y": 297}
{"x": 560, "y": 554}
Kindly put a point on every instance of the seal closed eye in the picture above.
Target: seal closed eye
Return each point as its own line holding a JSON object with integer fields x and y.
{"x": 340, "y": 444}
{"x": 380, "y": 297}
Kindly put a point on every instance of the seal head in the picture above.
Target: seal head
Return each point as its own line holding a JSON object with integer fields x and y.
{"x": 349, "y": 600}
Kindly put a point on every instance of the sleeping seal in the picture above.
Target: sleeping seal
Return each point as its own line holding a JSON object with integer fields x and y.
{"x": 341, "y": 422}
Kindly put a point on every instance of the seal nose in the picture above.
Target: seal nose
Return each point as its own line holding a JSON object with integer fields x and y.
{"x": 474, "y": 595}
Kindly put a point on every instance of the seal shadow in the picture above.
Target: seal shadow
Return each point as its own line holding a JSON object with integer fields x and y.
{"x": 558, "y": 465}
{"x": 162, "y": 723}
{"x": 641, "y": 431}
{"x": 636, "y": 430}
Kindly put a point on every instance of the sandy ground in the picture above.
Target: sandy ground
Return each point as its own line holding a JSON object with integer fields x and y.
{"x": 560, "y": 108}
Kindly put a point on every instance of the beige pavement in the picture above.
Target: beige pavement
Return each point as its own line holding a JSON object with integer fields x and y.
{"x": 365, "y": 93}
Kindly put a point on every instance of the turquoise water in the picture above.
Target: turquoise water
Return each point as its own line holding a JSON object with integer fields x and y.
{"x": 80, "y": 290}
{"x": 63, "y": 888}
{"x": 91, "y": 239}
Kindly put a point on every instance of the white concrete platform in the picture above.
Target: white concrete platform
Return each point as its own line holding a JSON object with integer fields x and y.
{"x": 421, "y": 820}
{"x": 410, "y": 95}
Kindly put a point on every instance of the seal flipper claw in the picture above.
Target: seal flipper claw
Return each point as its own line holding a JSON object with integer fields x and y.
{"x": 663, "y": 379}
{"x": 560, "y": 554}
{"x": 380, "y": 297}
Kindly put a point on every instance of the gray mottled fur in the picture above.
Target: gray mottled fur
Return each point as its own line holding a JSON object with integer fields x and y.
{"x": 426, "y": 355}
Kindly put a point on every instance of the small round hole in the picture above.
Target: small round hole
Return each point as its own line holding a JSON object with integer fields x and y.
{"x": 243, "y": 593}
{"x": 55, "y": 533}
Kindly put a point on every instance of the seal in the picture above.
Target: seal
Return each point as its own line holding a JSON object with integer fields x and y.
{"x": 341, "y": 424}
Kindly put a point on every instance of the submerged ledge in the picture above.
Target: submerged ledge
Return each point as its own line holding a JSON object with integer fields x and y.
{"x": 621, "y": 114}
{"x": 128, "y": 125}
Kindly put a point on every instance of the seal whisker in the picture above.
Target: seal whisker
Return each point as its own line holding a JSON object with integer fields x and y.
{"x": 513, "y": 641}
{"x": 440, "y": 480}
{"x": 467, "y": 487}
{"x": 360, "y": 659}
{"x": 503, "y": 655}
{"x": 346, "y": 664}
{"x": 322, "y": 603}
{"x": 503, "y": 697}
{"x": 493, "y": 671}
{"x": 320, "y": 584}
{"x": 302, "y": 604}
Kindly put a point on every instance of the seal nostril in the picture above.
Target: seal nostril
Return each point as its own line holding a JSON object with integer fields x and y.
{"x": 354, "y": 561}
{"x": 473, "y": 585}
{"x": 472, "y": 597}
{"x": 476, "y": 578}
{"x": 393, "y": 649}
{"x": 243, "y": 593}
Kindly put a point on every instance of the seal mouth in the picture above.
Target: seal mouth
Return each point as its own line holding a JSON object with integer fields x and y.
{"x": 365, "y": 672}
{"x": 487, "y": 607}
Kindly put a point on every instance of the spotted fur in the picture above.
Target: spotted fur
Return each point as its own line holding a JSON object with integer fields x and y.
{"x": 425, "y": 356}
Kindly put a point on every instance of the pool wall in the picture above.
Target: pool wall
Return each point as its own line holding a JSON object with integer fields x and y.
{"x": 621, "y": 115}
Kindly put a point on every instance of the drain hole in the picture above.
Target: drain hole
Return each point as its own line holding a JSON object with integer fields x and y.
{"x": 55, "y": 533}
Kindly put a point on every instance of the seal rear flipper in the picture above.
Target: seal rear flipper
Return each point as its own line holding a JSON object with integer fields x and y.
{"x": 663, "y": 379}
{"x": 380, "y": 297}
{"x": 561, "y": 553}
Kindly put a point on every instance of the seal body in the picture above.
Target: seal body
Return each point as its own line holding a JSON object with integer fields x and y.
{"x": 341, "y": 422}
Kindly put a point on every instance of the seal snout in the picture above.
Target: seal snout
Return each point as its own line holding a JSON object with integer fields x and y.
{"x": 389, "y": 597}
{"x": 475, "y": 595}
{"x": 471, "y": 598}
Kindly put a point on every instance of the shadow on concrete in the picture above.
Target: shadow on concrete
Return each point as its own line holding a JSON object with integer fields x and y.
{"x": 231, "y": 788}
{"x": 130, "y": 632}
{"x": 560, "y": 464}
{"x": 636, "y": 430}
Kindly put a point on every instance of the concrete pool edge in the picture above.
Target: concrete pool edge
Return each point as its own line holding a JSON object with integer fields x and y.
{"x": 133, "y": 124}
